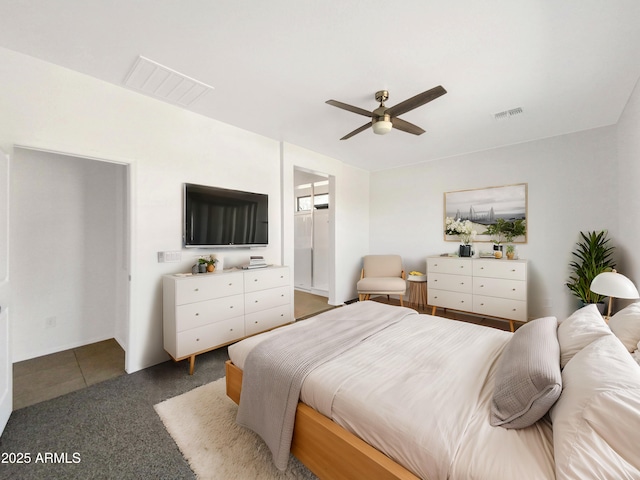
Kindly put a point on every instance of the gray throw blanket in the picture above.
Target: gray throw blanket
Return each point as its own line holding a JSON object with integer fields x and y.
{"x": 275, "y": 369}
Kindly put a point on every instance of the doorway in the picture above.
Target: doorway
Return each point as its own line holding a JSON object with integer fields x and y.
{"x": 70, "y": 249}
{"x": 312, "y": 209}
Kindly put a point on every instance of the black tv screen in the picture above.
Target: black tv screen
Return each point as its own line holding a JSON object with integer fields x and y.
{"x": 215, "y": 217}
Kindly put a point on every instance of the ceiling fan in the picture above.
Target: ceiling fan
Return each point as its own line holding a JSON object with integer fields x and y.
{"x": 383, "y": 119}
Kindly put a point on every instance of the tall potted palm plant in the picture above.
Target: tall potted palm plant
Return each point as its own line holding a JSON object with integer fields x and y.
{"x": 592, "y": 256}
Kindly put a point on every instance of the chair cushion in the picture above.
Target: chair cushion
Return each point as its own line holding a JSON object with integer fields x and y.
{"x": 386, "y": 285}
{"x": 382, "y": 265}
{"x": 528, "y": 378}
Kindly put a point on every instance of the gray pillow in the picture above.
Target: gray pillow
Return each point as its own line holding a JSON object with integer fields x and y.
{"x": 528, "y": 379}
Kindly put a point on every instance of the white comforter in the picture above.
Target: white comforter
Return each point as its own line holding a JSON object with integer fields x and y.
{"x": 420, "y": 392}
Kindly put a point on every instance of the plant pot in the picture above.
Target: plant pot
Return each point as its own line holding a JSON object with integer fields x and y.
{"x": 465, "y": 251}
{"x": 202, "y": 268}
{"x": 211, "y": 268}
{"x": 511, "y": 255}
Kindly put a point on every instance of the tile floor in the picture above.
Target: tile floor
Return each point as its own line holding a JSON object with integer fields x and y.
{"x": 51, "y": 376}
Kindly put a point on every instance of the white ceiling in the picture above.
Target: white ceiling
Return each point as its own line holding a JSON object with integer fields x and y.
{"x": 570, "y": 64}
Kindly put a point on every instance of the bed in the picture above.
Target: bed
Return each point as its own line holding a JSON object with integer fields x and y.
{"x": 427, "y": 397}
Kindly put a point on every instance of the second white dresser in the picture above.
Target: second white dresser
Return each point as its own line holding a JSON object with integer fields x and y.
{"x": 484, "y": 286}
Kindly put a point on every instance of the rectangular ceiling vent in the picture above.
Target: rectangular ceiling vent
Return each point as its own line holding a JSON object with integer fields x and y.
{"x": 507, "y": 114}
{"x": 164, "y": 83}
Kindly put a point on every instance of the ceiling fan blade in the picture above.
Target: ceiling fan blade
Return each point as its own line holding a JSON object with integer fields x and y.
{"x": 405, "y": 126}
{"x": 351, "y": 108}
{"x": 417, "y": 101}
{"x": 356, "y": 131}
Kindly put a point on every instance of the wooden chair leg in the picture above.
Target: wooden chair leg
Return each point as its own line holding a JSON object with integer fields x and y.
{"x": 401, "y": 304}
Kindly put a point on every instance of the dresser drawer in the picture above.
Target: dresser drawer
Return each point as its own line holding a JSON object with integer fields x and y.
{"x": 500, "y": 307}
{"x": 509, "y": 269}
{"x": 260, "y": 279}
{"x": 498, "y": 287}
{"x": 453, "y": 300}
{"x": 263, "y": 299}
{"x": 203, "y": 338}
{"x": 267, "y": 319}
{"x": 456, "y": 283}
{"x": 194, "y": 315}
{"x": 455, "y": 266}
{"x": 207, "y": 287}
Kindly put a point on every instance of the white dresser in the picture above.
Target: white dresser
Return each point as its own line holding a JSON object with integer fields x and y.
{"x": 484, "y": 286}
{"x": 207, "y": 311}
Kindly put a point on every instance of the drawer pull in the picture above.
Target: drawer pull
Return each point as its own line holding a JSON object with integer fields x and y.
{"x": 282, "y": 314}
{"x": 255, "y": 322}
{"x": 513, "y": 269}
{"x": 256, "y": 301}
{"x": 231, "y": 329}
{"x": 282, "y": 294}
{"x": 513, "y": 289}
{"x": 461, "y": 301}
{"x": 482, "y": 304}
{"x": 197, "y": 339}
{"x": 514, "y": 310}
{"x": 461, "y": 283}
{"x": 231, "y": 306}
{"x": 481, "y": 286}
{"x": 461, "y": 266}
{"x": 255, "y": 279}
{"x": 436, "y": 280}
{"x": 196, "y": 290}
{"x": 197, "y": 314}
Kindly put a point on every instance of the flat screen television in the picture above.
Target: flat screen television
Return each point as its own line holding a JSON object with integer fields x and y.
{"x": 218, "y": 217}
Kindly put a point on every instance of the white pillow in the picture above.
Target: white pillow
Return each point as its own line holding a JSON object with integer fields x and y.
{"x": 579, "y": 330}
{"x": 626, "y": 326}
{"x": 595, "y": 420}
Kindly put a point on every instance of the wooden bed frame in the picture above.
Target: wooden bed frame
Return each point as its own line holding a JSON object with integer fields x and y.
{"x": 327, "y": 449}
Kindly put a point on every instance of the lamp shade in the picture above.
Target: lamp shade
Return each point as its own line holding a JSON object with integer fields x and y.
{"x": 613, "y": 284}
{"x": 382, "y": 126}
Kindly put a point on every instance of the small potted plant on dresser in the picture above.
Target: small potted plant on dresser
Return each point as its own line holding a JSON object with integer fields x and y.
{"x": 592, "y": 256}
{"x": 497, "y": 233}
{"x": 513, "y": 230}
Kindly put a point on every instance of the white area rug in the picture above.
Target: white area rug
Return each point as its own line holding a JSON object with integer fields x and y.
{"x": 202, "y": 422}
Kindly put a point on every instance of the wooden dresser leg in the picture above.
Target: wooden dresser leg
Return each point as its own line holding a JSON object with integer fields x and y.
{"x": 433, "y": 310}
{"x": 512, "y": 326}
{"x": 192, "y": 364}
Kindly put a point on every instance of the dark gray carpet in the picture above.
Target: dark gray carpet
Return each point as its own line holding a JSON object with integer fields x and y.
{"x": 111, "y": 427}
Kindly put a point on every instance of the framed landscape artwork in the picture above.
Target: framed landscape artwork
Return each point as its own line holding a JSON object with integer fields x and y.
{"x": 484, "y": 206}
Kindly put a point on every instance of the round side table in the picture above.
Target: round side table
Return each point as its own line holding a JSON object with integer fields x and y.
{"x": 418, "y": 290}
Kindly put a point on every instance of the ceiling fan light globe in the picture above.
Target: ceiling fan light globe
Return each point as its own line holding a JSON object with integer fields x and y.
{"x": 382, "y": 127}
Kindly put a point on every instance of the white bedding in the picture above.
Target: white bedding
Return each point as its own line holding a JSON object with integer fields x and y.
{"x": 420, "y": 391}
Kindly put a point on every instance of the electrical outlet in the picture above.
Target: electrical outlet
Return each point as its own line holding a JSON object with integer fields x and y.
{"x": 50, "y": 322}
{"x": 166, "y": 257}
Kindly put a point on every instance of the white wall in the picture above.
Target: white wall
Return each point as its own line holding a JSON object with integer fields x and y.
{"x": 628, "y": 208}
{"x": 50, "y": 108}
{"x": 64, "y": 217}
{"x": 567, "y": 177}
{"x": 349, "y": 216}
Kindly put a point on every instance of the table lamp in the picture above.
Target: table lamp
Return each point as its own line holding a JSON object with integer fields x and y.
{"x": 613, "y": 284}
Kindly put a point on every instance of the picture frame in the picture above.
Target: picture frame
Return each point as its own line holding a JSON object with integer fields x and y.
{"x": 483, "y": 206}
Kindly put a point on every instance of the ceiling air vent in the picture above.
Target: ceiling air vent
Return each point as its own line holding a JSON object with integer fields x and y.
{"x": 150, "y": 77}
{"x": 507, "y": 114}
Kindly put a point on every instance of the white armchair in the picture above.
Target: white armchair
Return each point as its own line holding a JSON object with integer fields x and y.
{"x": 381, "y": 275}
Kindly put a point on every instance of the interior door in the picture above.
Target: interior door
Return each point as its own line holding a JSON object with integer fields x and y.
{"x": 6, "y": 370}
